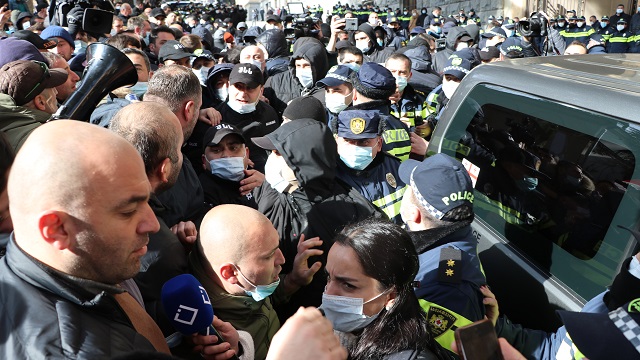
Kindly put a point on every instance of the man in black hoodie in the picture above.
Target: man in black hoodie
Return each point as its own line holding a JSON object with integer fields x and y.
{"x": 365, "y": 39}
{"x": 317, "y": 203}
{"x": 457, "y": 39}
{"x": 274, "y": 44}
{"x": 309, "y": 63}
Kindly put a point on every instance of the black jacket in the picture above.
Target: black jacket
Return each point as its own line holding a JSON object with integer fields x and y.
{"x": 441, "y": 57}
{"x": 48, "y": 314}
{"x": 258, "y": 123}
{"x": 218, "y": 191}
{"x": 183, "y": 201}
{"x": 321, "y": 206}
{"x": 284, "y": 87}
{"x": 275, "y": 42}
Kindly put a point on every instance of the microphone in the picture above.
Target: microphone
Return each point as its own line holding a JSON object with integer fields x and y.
{"x": 188, "y": 307}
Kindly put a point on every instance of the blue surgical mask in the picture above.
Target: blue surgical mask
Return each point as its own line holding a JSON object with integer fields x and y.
{"x": 81, "y": 47}
{"x": 146, "y": 39}
{"x": 139, "y": 89}
{"x": 620, "y": 27}
{"x": 527, "y": 184}
{"x": 401, "y": 82}
{"x": 355, "y": 157}
{"x": 380, "y": 42}
{"x": 229, "y": 168}
{"x": 337, "y": 102}
{"x": 438, "y": 30}
{"x": 346, "y": 313}
{"x": 603, "y": 24}
{"x": 256, "y": 63}
{"x": 242, "y": 108}
{"x": 260, "y": 292}
{"x": 305, "y": 76}
{"x": 202, "y": 74}
{"x": 363, "y": 48}
{"x": 353, "y": 66}
{"x": 619, "y": 11}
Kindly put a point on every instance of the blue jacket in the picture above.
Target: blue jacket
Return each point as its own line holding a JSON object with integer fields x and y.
{"x": 379, "y": 183}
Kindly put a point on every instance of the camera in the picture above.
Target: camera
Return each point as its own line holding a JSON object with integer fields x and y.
{"x": 535, "y": 27}
{"x": 301, "y": 27}
{"x": 441, "y": 44}
{"x": 351, "y": 24}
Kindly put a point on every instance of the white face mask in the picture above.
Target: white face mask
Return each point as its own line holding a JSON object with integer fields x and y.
{"x": 449, "y": 87}
{"x": 620, "y": 27}
{"x": 337, "y": 102}
{"x": 619, "y": 11}
{"x": 202, "y": 74}
{"x": 222, "y": 93}
{"x": 230, "y": 168}
{"x": 462, "y": 45}
{"x": 305, "y": 76}
{"x": 256, "y": 63}
{"x": 242, "y": 108}
{"x": 580, "y": 24}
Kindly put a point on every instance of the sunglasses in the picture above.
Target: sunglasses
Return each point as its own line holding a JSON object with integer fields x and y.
{"x": 45, "y": 75}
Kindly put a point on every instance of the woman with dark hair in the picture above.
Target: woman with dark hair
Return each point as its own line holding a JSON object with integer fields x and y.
{"x": 369, "y": 296}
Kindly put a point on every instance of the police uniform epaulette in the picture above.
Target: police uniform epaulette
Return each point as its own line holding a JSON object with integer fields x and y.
{"x": 449, "y": 267}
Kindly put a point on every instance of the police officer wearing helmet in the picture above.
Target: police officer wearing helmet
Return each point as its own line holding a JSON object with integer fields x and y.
{"x": 438, "y": 210}
{"x": 364, "y": 165}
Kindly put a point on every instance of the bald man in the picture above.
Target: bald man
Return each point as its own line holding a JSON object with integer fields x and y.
{"x": 81, "y": 225}
{"x": 238, "y": 261}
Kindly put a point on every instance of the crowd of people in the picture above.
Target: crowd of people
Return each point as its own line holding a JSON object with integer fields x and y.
{"x": 285, "y": 166}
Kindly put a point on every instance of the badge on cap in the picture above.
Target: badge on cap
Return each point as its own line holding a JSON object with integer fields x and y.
{"x": 456, "y": 61}
{"x": 357, "y": 125}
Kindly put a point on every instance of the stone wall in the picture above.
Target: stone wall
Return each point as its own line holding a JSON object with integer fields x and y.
{"x": 483, "y": 8}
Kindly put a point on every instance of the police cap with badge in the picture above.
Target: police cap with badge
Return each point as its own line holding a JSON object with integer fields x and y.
{"x": 359, "y": 124}
{"x": 512, "y": 48}
{"x": 441, "y": 184}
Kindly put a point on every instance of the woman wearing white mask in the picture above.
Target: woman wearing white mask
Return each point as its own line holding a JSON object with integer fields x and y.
{"x": 369, "y": 297}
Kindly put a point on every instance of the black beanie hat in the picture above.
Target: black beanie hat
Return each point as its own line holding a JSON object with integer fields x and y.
{"x": 306, "y": 107}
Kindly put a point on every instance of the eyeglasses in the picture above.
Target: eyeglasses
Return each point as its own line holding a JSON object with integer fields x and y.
{"x": 45, "y": 75}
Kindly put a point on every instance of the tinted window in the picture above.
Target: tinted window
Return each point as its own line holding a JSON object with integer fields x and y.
{"x": 554, "y": 181}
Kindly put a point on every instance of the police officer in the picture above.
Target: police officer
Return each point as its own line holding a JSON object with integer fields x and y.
{"x": 372, "y": 87}
{"x": 407, "y": 104}
{"x": 438, "y": 210}
{"x": 577, "y": 30}
{"x": 338, "y": 91}
{"x": 603, "y": 27}
{"x": 620, "y": 39}
{"x": 363, "y": 165}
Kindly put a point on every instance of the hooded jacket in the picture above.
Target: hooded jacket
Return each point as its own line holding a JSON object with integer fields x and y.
{"x": 423, "y": 78}
{"x": 441, "y": 57}
{"x": 284, "y": 87}
{"x": 275, "y": 42}
{"x": 376, "y": 53}
{"x": 17, "y": 122}
{"x": 320, "y": 206}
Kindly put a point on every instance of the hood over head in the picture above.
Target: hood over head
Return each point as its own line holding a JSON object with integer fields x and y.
{"x": 454, "y": 34}
{"x": 420, "y": 57}
{"x": 315, "y": 53}
{"x": 275, "y": 42}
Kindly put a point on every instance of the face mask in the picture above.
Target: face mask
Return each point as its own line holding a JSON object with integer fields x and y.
{"x": 336, "y": 102}
{"x": 261, "y": 292}
{"x": 81, "y": 47}
{"x": 278, "y": 174}
{"x": 561, "y": 23}
{"x": 580, "y": 24}
{"x": 424, "y": 11}
{"x": 509, "y": 33}
{"x": 449, "y": 87}
{"x": 353, "y": 66}
{"x": 364, "y": 48}
{"x": 230, "y": 168}
{"x": 256, "y": 63}
{"x": 438, "y": 30}
{"x": 305, "y": 76}
{"x": 620, "y": 27}
{"x": 603, "y": 24}
{"x": 11, "y": 30}
{"x": 139, "y": 89}
{"x": 380, "y": 42}
{"x": 222, "y": 93}
{"x": 345, "y": 313}
{"x": 638, "y": 8}
{"x": 355, "y": 157}
{"x": 527, "y": 184}
{"x": 242, "y": 108}
{"x": 461, "y": 45}
{"x": 202, "y": 74}
{"x": 619, "y": 11}
{"x": 270, "y": 26}
{"x": 401, "y": 81}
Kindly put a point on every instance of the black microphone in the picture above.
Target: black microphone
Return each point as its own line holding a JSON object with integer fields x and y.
{"x": 188, "y": 307}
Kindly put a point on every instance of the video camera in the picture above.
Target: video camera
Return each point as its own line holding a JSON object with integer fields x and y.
{"x": 93, "y": 20}
{"x": 302, "y": 27}
{"x": 536, "y": 26}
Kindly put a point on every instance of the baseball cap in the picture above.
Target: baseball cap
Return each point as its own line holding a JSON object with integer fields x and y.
{"x": 157, "y": 12}
{"x": 12, "y": 49}
{"x": 496, "y": 31}
{"x": 458, "y": 67}
{"x": 435, "y": 22}
{"x": 248, "y": 74}
{"x": 393, "y": 19}
{"x": 359, "y": 124}
{"x": 605, "y": 18}
{"x": 23, "y": 80}
{"x": 57, "y": 31}
{"x": 215, "y": 134}
{"x": 465, "y": 38}
{"x": 173, "y": 50}
{"x": 489, "y": 52}
{"x": 615, "y": 335}
{"x": 622, "y": 21}
{"x": 242, "y": 24}
{"x": 374, "y": 81}
{"x": 227, "y": 20}
{"x": 275, "y": 18}
{"x": 511, "y": 48}
{"x": 337, "y": 75}
{"x": 510, "y": 24}
{"x": 440, "y": 183}
{"x": 418, "y": 30}
{"x": 36, "y": 40}
{"x": 305, "y": 107}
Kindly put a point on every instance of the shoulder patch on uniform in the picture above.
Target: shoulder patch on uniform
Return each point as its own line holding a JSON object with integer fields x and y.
{"x": 357, "y": 125}
{"x": 449, "y": 267}
{"x": 391, "y": 180}
{"x": 440, "y": 320}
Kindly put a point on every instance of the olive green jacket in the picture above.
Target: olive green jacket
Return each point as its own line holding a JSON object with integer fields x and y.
{"x": 17, "y": 122}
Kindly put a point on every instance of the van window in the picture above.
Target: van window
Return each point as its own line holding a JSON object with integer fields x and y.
{"x": 554, "y": 181}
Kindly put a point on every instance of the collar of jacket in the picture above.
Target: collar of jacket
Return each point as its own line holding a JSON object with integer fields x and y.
{"x": 381, "y": 105}
{"x": 425, "y": 240}
{"x": 83, "y": 292}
